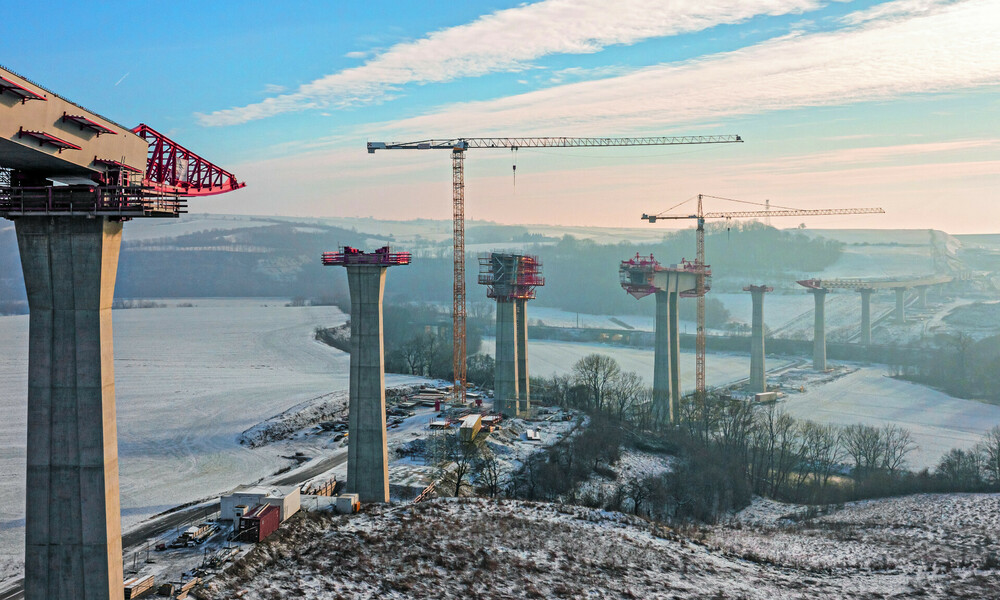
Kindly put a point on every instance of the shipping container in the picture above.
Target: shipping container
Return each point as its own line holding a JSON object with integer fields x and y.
{"x": 259, "y": 522}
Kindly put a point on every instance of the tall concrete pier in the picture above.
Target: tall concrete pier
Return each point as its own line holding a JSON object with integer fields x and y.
{"x": 663, "y": 382}
{"x": 521, "y": 326}
{"x": 758, "y": 379}
{"x": 69, "y": 182}
{"x": 511, "y": 279}
{"x": 367, "y": 453}
{"x": 819, "y": 330}
{"x": 640, "y": 277}
{"x": 72, "y": 523}
{"x": 506, "y": 381}
{"x": 866, "y": 316}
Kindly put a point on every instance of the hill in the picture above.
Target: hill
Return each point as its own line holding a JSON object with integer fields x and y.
{"x": 511, "y": 549}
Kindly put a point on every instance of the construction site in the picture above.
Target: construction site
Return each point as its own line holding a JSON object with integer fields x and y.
{"x": 221, "y": 430}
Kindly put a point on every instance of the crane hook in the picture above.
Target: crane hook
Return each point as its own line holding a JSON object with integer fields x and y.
{"x": 514, "y": 167}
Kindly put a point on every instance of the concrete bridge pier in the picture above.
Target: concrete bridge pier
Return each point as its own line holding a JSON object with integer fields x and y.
{"x": 662, "y": 377}
{"x": 72, "y": 512}
{"x": 675, "y": 358}
{"x": 367, "y": 453}
{"x": 900, "y": 313}
{"x": 523, "y": 388}
{"x": 506, "y": 386}
{"x": 866, "y": 316}
{"x": 758, "y": 378}
{"x": 922, "y": 295}
{"x": 819, "y": 330}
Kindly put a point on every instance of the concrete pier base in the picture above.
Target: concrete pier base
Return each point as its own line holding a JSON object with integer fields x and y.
{"x": 922, "y": 295}
{"x": 866, "y": 316}
{"x": 900, "y": 313}
{"x": 367, "y": 454}
{"x": 662, "y": 399}
{"x": 758, "y": 380}
{"x": 523, "y": 383}
{"x": 73, "y": 517}
{"x": 505, "y": 387}
{"x": 819, "y": 330}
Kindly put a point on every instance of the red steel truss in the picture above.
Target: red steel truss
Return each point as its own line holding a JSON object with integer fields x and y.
{"x": 174, "y": 170}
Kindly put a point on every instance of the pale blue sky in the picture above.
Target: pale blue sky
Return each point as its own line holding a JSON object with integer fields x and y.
{"x": 891, "y": 104}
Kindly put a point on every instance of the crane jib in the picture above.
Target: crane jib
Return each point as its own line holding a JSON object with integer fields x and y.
{"x": 550, "y": 142}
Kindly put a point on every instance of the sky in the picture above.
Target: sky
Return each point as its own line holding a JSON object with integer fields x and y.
{"x": 841, "y": 104}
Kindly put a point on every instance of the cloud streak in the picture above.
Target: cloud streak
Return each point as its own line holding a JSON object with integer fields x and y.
{"x": 505, "y": 41}
{"x": 951, "y": 48}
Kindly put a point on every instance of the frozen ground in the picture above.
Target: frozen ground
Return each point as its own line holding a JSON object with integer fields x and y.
{"x": 937, "y": 421}
{"x": 921, "y": 535}
{"x": 510, "y": 549}
{"x": 189, "y": 381}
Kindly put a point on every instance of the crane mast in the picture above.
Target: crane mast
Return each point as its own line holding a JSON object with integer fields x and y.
{"x": 701, "y": 215}
{"x": 458, "y": 146}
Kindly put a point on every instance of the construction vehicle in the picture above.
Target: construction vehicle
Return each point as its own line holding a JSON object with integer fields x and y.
{"x": 458, "y": 146}
{"x": 701, "y": 216}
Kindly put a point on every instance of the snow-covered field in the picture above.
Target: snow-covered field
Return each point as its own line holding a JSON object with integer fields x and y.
{"x": 937, "y": 421}
{"x": 452, "y": 548}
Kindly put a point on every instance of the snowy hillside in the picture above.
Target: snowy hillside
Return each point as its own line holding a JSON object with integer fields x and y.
{"x": 510, "y": 549}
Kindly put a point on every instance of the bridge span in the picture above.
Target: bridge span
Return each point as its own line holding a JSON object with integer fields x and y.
{"x": 866, "y": 287}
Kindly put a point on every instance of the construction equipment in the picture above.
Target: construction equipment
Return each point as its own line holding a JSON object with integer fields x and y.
{"x": 701, "y": 215}
{"x": 458, "y": 146}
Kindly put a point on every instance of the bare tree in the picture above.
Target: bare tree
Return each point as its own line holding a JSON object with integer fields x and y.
{"x": 625, "y": 392}
{"x": 897, "y": 443}
{"x": 989, "y": 448}
{"x": 488, "y": 472}
{"x": 863, "y": 443}
{"x": 596, "y": 372}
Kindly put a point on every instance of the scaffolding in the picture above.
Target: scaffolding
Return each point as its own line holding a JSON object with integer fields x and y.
{"x": 510, "y": 276}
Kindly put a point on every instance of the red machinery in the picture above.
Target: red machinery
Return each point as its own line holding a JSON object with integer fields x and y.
{"x": 172, "y": 169}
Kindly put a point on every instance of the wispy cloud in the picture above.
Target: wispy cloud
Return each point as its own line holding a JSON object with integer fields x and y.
{"x": 895, "y": 10}
{"x": 950, "y": 49}
{"x": 504, "y": 41}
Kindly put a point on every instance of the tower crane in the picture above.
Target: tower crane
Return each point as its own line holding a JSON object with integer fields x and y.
{"x": 458, "y": 146}
{"x": 701, "y": 216}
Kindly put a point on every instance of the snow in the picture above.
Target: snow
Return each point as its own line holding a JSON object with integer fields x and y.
{"x": 454, "y": 548}
{"x": 189, "y": 381}
{"x": 937, "y": 421}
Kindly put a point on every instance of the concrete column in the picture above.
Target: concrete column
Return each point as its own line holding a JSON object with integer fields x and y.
{"x": 819, "y": 331}
{"x": 675, "y": 361}
{"x": 523, "y": 387}
{"x": 73, "y": 517}
{"x": 505, "y": 386}
{"x": 367, "y": 454}
{"x": 922, "y": 295}
{"x": 661, "y": 360}
{"x": 866, "y": 316}
{"x": 758, "y": 380}
{"x": 900, "y": 313}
